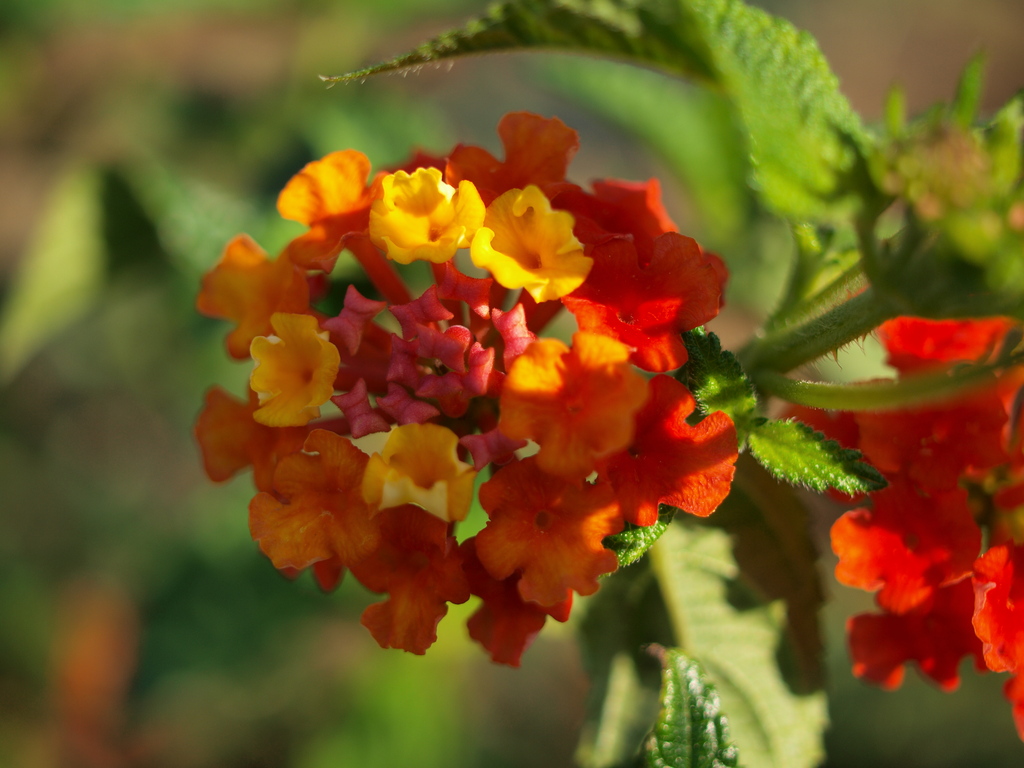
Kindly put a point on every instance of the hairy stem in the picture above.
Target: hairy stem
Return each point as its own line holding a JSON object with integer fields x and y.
{"x": 790, "y": 347}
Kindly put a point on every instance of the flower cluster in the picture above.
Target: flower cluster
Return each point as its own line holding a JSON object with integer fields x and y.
{"x": 454, "y": 381}
{"x": 943, "y": 544}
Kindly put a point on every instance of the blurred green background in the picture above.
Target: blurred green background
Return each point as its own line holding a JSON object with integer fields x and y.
{"x": 139, "y": 625}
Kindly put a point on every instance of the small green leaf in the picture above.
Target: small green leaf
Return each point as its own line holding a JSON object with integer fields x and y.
{"x": 1003, "y": 141}
{"x": 631, "y": 544}
{"x": 794, "y": 452}
{"x": 690, "y": 731}
{"x": 964, "y": 109}
{"x": 896, "y": 112}
{"x": 61, "y": 274}
{"x": 719, "y": 618}
{"x": 804, "y": 139}
{"x": 717, "y": 381}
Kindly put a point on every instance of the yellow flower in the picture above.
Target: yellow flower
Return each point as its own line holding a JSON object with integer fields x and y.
{"x": 420, "y": 218}
{"x": 295, "y": 371}
{"x": 419, "y": 465}
{"x": 526, "y": 244}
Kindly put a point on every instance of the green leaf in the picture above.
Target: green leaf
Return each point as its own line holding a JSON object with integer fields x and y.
{"x": 693, "y": 130}
{"x": 803, "y": 135}
{"x": 626, "y": 615}
{"x": 964, "y": 109}
{"x": 717, "y": 381}
{"x": 796, "y": 453}
{"x": 771, "y": 534}
{"x": 193, "y": 220}
{"x": 690, "y": 731}
{"x": 60, "y": 275}
{"x": 631, "y": 544}
{"x": 719, "y": 618}
{"x": 1003, "y": 141}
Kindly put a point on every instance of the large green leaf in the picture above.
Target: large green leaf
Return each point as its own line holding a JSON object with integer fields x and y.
{"x": 694, "y": 130}
{"x": 719, "y": 619}
{"x": 802, "y": 134}
{"x": 625, "y": 616}
{"x": 690, "y": 731}
{"x": 770, "y": 529}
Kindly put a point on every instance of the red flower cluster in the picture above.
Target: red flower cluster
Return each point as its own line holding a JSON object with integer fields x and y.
{"x": 956, "y": 479}
{"x": 450, "y": 380}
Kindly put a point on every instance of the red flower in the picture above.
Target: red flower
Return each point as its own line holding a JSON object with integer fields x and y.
{"x": 671, "y": 461}
{"x": 999, "y": 606}
{"x": 648, "y": 307}
{"x": 1014, "y": 691}
{"x": 915, "y": 344}
{"x": 937, "y": 638}
{"x": 908, "y": 546}
{"x": 934, "y": 447}
{"x": 615, "y": 208}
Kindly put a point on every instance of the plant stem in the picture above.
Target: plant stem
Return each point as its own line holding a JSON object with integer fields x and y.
{"x": 914, "y": 391}
{"x": 787, "y": 348}
{"x": 851, "y": 282}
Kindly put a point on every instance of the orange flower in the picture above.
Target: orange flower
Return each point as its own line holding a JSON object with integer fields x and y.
{"x": 420, "y": 218}
{"x": 504, "y": 624}
{"x": 420, "y": 465}
{"x": 537, "y": 151}
{"x": 295, "y": 371}
{"x": 549, "y": 529}
{"x": 578, "y": 404}
{"x": 323, "y": 516}
{"x": 247, "y": 287}
{"x": 526, "y": 244}
{"x": 329, "y": 196}
{"x": 420, "y": 567}
{"x": 230, "y": 440}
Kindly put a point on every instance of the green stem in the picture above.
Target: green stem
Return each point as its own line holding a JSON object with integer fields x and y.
{"x": 914, "y": 391}
{"x": 847, "y": 284}
{"x": 788, "y": 348}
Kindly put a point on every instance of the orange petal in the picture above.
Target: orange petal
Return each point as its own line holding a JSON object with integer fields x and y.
{"x": 578, "y": 404}
{"x": 323, "y": 515}
{"x": 247, "y": 288}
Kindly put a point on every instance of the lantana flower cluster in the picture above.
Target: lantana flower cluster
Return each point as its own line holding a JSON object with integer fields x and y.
{"x": 562, "y": 444}
{"x": 943, "y": 545}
